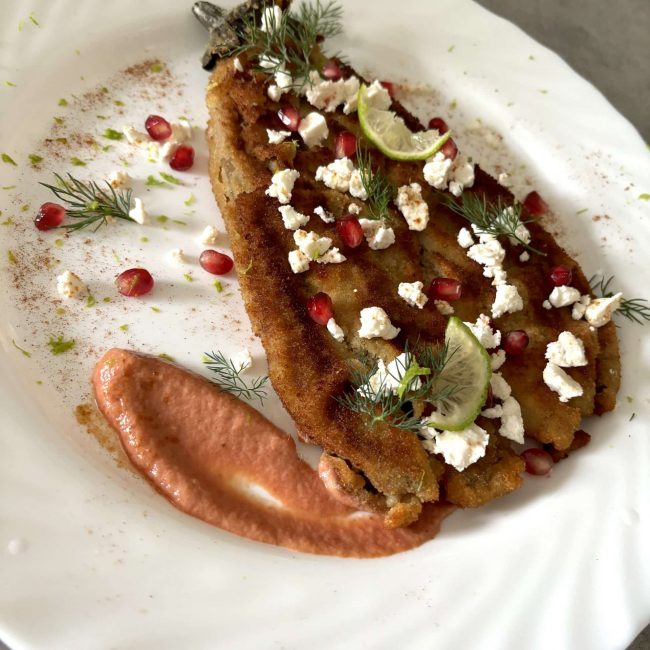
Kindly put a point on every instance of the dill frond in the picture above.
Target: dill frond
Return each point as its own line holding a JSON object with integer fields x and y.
{"x": 634, "y": 309}
{"x": 379, "y": 190}
{"x": 228, "y": 378}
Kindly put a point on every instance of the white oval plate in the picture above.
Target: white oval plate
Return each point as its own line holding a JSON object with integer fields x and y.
{"x": 91, "y": 557}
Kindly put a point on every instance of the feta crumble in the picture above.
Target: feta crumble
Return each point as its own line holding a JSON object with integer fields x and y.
{"x": 561, "y": 383}
{"x": 176, "y": 256}
{"x": 412, "y": 293}
{"x": 599, "y": 311}
{"x": 377, "y": 96}
{"x": 388, "y": 377}
{"x": 138, "y": 213}
{"x": 311, "y": 243}
{"x": 70, "y": 285}
{"x": 242, "y": 360}
{"x": 563, "y": 296}
{"x": 412, "y": 206}
{"x": 209, "y": 236}
{"x": 277, "y": 137}
{"x": 465, "y": 239}
{"x": 500, "y": 387}
{"x": 326, "y": 216}
{"x": 378, "y": 235}
{"x": 298, "y": 261}
{"x": 460, "y": 449}
{"x": 524, "y": 257}
{"x": 443, "y": 307}
{"x": 282, "y": 184}
{"x": 486, "y": 336}
{"x": 512, "y": 423}
{"x": 119, "y": 180}
{"x": 375, "y": 323}
{"x": 507, "y": 300}
{"x": 567, "y": 352}
{"x": 329, "y": 95}
{"x": 291, "y": 218}
{"x": 342, "y": 176}
{"x": 160, "y": 151}
{"x": 313, "y": 129}
{"x": 336, "y": 331}
{"x": 331, "y": 256}
{"x": 274, "y": 93}
{"x": 237, "y": 65}
{"x": 580, "y": 307}
{"x": 497, "y": 359}
{"x": 441, "y": 172}
{"x": 353, "y": 208}
{"x": 271, "y": 18}
{"x": 135, "y": 137}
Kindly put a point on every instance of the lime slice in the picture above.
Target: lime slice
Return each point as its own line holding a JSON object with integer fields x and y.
{"x": 464, "y": 379}
{"x": 392, "y": 137}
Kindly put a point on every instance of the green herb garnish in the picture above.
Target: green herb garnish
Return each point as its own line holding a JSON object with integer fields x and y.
{"x": 59, "y": 345}
{"x": 171, "y": 179}
{"x": 635, "y": 309}
{"x": 112, "y": 134}
{"x": 228, "y": 378}
{"x": 6, "y": 158}
{"x": 380, "y": 192}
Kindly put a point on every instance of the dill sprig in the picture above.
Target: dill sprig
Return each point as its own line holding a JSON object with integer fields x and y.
{"x": 89, "y": 204}
{"x": 490, "y": 218}
{"x": 418, "y": 380}
{"x": 379, "y": 190}
{"x": 229, "y": 379}
{"x": 635, "y": 309}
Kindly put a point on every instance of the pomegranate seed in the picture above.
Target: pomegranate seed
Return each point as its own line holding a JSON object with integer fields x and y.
{"x": 134, "y": 282}
{"x": 449, "y": 149}
{"x": 538, "y": 462}
{"x": 515, "y": 342}
{"x": 215, "y": 262}
{"x": 290, "y": 117}
{"x": 332, "y": 71}
{"x": 346, "y": 144}
{"x": 319, "y": 308}
{"x": 183, "y": 158}
{"x": 50, "y": 215}
{"x": 158, "y": 127}
{"x": 445, "y": 289}
{"x": 561, "y": 275}
{"x": 390, "y": 87}
{"x": 350, "y": 230}
{"x": 535, "y": 204}
{"x": 438, "y": 124}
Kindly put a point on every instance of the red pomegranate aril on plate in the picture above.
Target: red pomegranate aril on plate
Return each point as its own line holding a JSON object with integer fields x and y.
{"x": 215, "y": 262}
{"x": 515, "y": 342}
{"x": 439, "y": 125}
{"x": 538, "y": 462}
{"x": 390, "y": 87}
{"x": 320, "y": 309}
{"x": 445, "y": 289}
{"x": 290, "y": 117}
{"x": 183, "y": 158}
{"x": 332, "y": 71}
{"x": 134, "y": 282}
{"x": 346, "y": 144}
{"x": 350, "y": 230}
{"x": 535, "y": 204}
{"x": 561, "y": 275}
{"x": 449, "y": 149}
{"x": 49, "y": 215}
{"x": 158, "y": 127}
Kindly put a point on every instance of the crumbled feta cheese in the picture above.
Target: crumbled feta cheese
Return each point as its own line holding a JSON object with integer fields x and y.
{"x": 335, "y": 330}
{"x": 599, "y": 311}
{"x": 138, "y": 138}
{"x": 274, "y": 92}
{"x": 493, "y": 413}
{"x": 388, "y": 378}
{"x": 282, "y": 184}
{"x": 507, "y": 300}
{"x": 563, "y": 296}
{"x": 313, "y": 129}
{"x": 465, "y": 239}
{"x": 331, "y": 256}
{"x": 377, "y": 96}
{"x": 176, "y": 256}
{"x": 547, "y": 305}
{"x": 378, "y": 235}
{"x": 209, "y": 236}
{"x": 237, "y": 65}
{"x": 298, "y": 261}
{"x": 482, "y": 330}
{"x": 512, "y": 424}
{"x": 311, "y": 243}
{"x": 460, "y": 449}
{"x": 412, "y": 206}
{"x": 69, "y": 285}
{"x": 337, "y": 174}
{"x": 160, "y": 151}
{"x": 489, "y": 254}
{"x": 138, "y": 213}
{"x": 461, "y": 175}
{"x": 440, "y": 171}
{"x": 497, "y": 359}
{"x": 567, "y": 352}
{"x": 242, "y": 360}
{"x": 271, "y": 19}
{"x": 119, "y": 180}
{"x": 412, "y": 293}
{"x": 326, "y": 216}
{"x": 436, "y": 170}
{"x": 580, "y": 307}
{"x": 521, "y": 233}
{"x": 444, "y": 307}
{"x": 500, "y": 387}
{"x": 524, "y": 257}
{"x": 353, "y": 208}
{"x": 291, "y": 218}
{"x": 375, "y": 323}
{"x": 277, "y": 137}
{"x": 357, "y": 188}
{"x": 181, "y": 131}
{"x": 328, "y": 95}
{"x": 504, "y": 179}
{"x": 561, "y": 383}
{"x": 283, "y": 79}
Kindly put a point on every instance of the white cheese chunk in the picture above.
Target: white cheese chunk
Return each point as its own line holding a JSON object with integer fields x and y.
{"x": 524, "y": 257}
{"x": 311, "y": 243}
{"x": 242, "y": 360}
{"x": 329, "y": 95}
{"x": 461, "y": 175}
{"x": 567, "y": 352}
{"x": 375, "y": 323}
{"x": 561, "y": 383}
{"x": 357, "y": 188}
{"x": 388, "y": 377}
{"x": 353, "y": 208}
{"x": 460, "y": 449}
{"x": 507, "y": 300}
{"x": 547, "y": 305}
{"x": 138, "y": 138}
{"x": 378, "y": 235}
{"x": 412, "y": 293}
{"x": 277, "y": 137}
{"x": 209, "y": 236}
{"x": 436, "y": 170}
{"x": 335, "y": 330}
{"x": 274, "y": 92}
{"x": 500, "y": 387}
{"x": 120, "y": 180}
{"x": 599, "y": 311}
{"x": 512, "y": 424}
{"x": 465, "y": 239}
{"x": 282, "y": 184}
{"x": 412, "y": 206}
{"x": 580, "y": 307}
{"x": 237, "y": 64}
{"x": 176, "y": 256}
{"x": 271, "y": 19}
{"x": 497, "y": 359}
{"x": 504, "y": 179}
{"x": 313, "y": 129}
{"x": 444, "y": 307}
{"x": 331, "y": 256}
{"x": 489, "y": 254}
{"x": 70, "y": 285}
{"x": 440, "y": 172}
{"x": 337, "y": 174}
{"x": 138, "y": 213}
{"x": 482, "y": 330}
{"x": 563, "y": 296}
{"x": 291, "y": 218}
{"x": 298, "y": 261}
{"x": 377, "y": 96}
{"x": 326, "y": 216}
